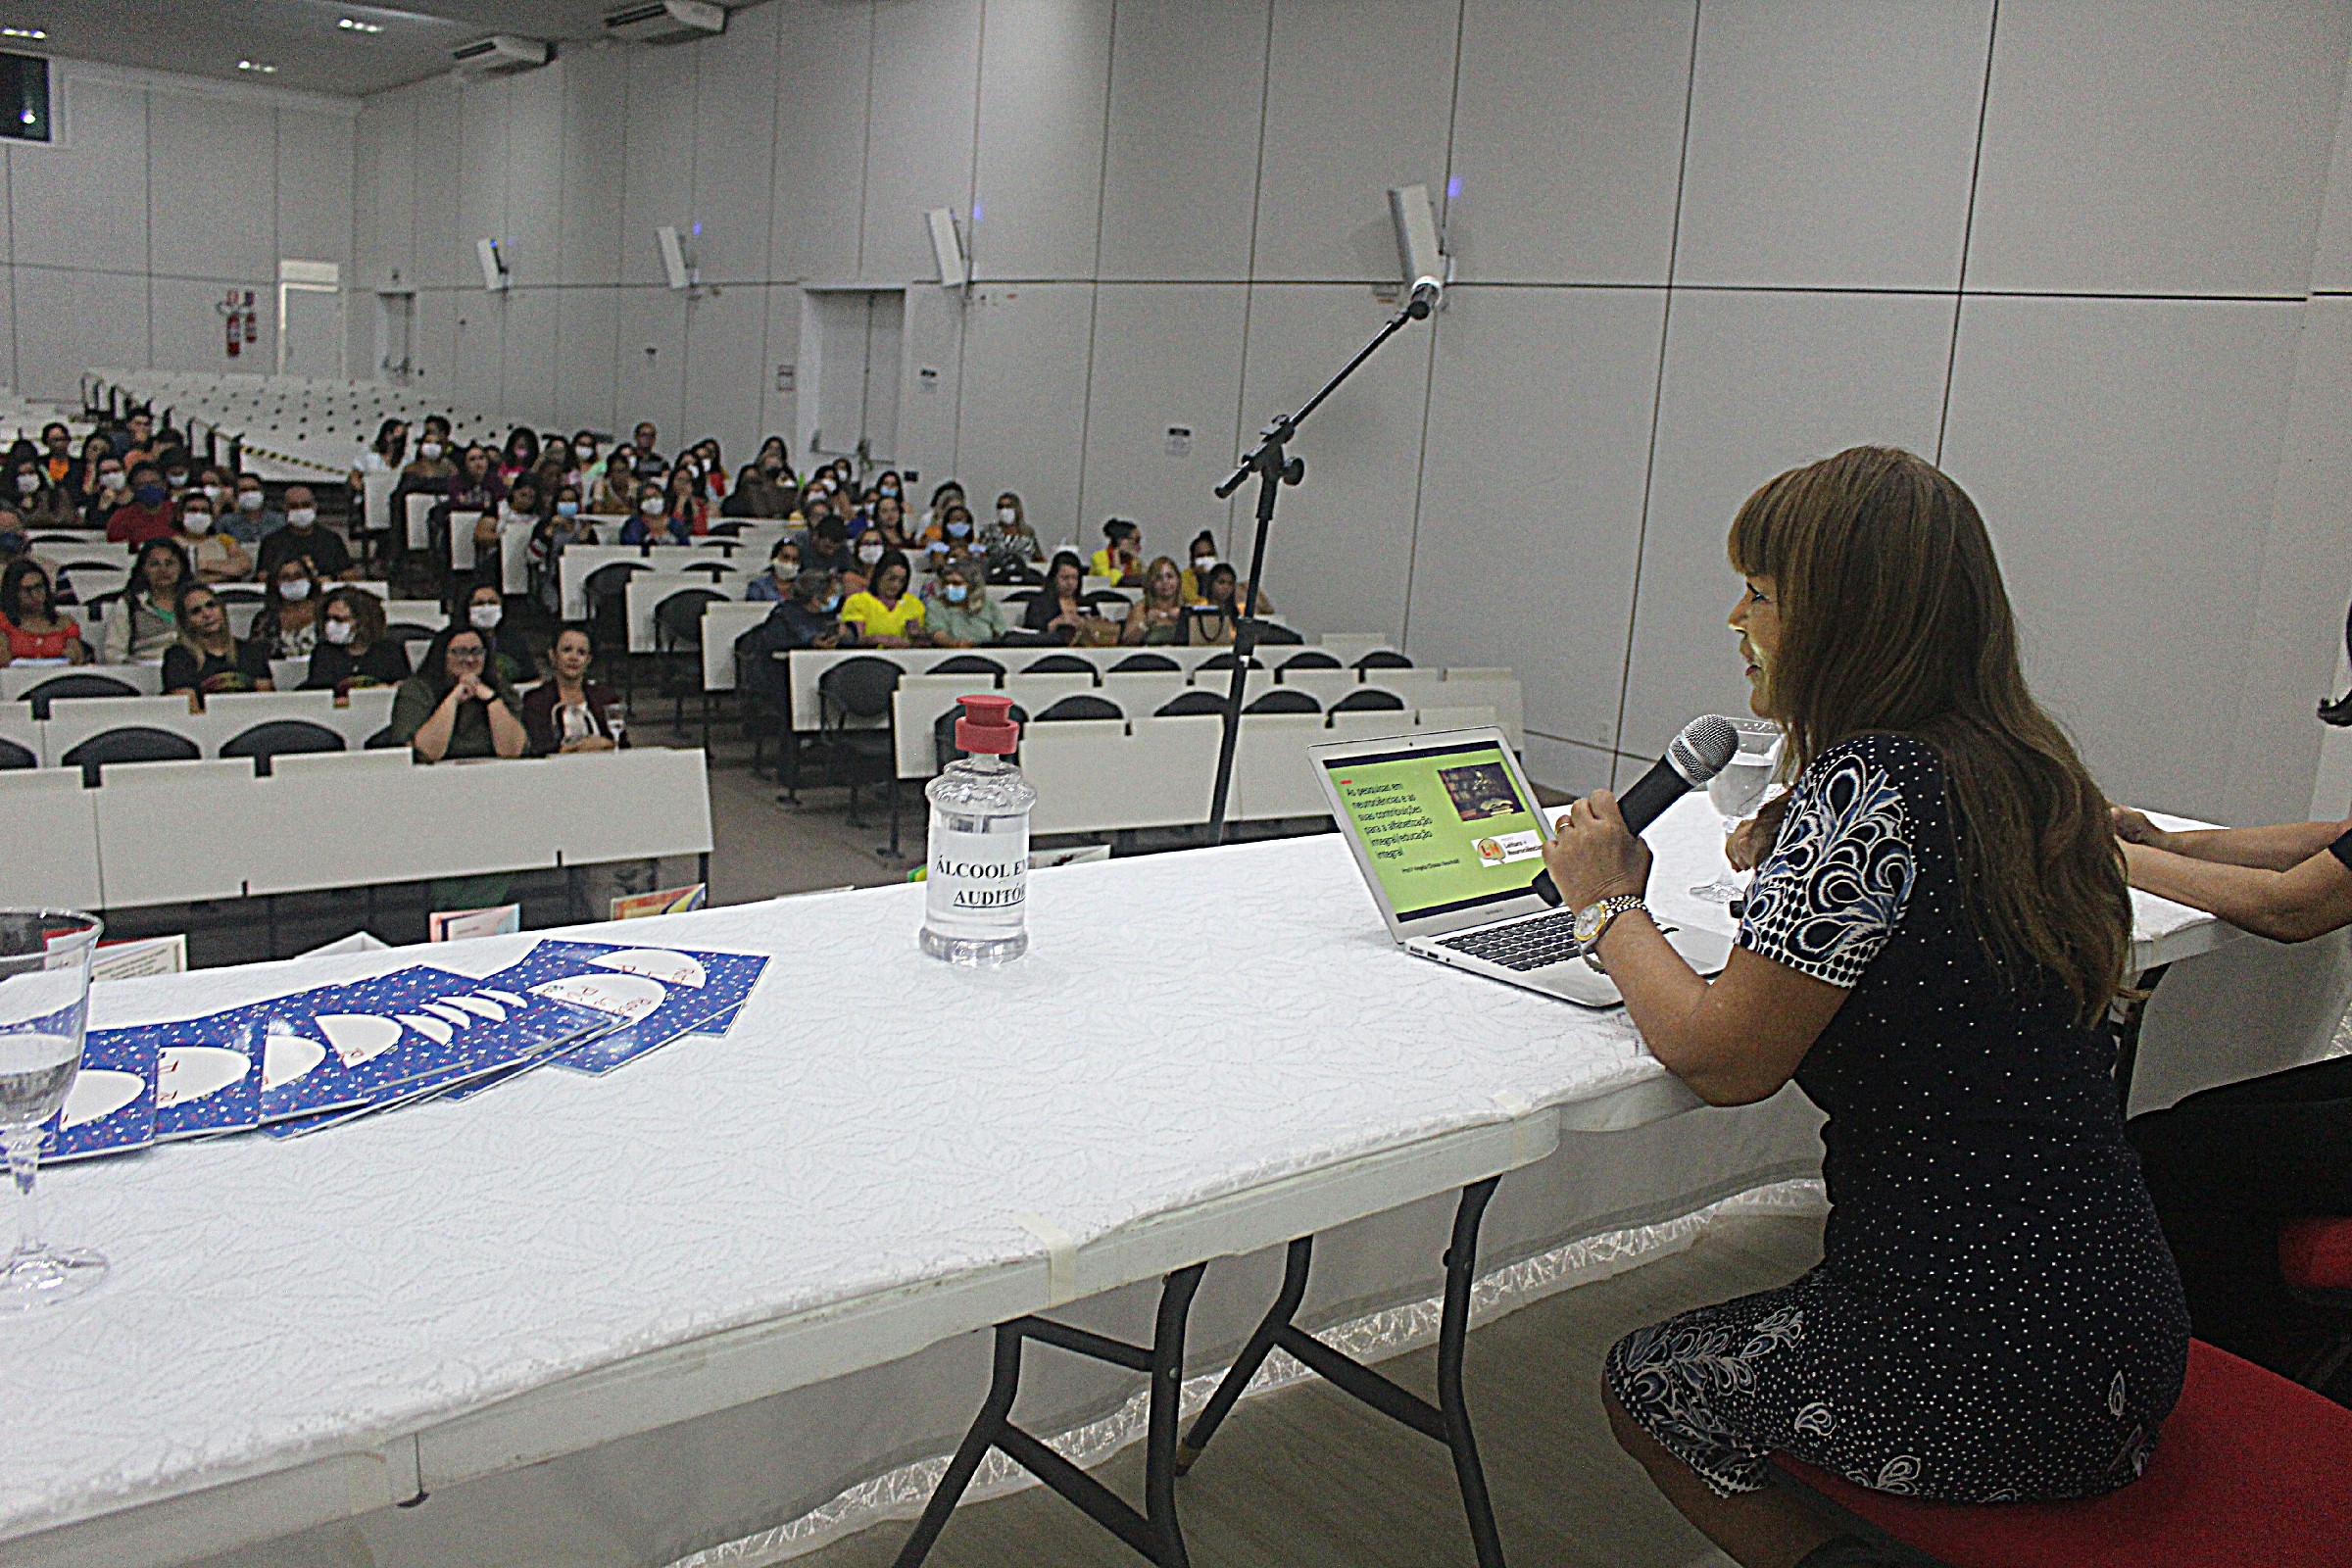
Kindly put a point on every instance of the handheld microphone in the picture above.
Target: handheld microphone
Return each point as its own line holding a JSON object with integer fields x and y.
{"x": 1704, "y": 747}
{"x": 1424, "y": 297}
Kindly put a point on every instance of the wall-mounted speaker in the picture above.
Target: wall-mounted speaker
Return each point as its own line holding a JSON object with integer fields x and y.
{"x": 674, "y": 264}
{"x": 1418, "y": 258}
{"x": 495, "y": 275}
{"x": 946, "y": 248}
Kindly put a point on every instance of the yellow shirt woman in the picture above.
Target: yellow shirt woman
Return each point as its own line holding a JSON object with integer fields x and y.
{"x": 878, "y": 619}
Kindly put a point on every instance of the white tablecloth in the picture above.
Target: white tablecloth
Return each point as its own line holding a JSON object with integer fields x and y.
{"x": 876, "y": 1142}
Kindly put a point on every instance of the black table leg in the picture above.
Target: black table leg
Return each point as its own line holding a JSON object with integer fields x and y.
{"x": 2125, "y": 1026}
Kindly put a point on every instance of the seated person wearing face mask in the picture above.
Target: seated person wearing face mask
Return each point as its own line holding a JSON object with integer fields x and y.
{"x": 329, "y": 556}
{"x": 653, "y": 525}
{"x": 1009, "y": 542}
{"x": 217, "y": 557}
{"x": 774, "y": 585}
{"x": 249, "y": 518}
{"x": 146, "y": 513}
{"x": 486, "y": 612}
{"x": 954, "y": 531}
{"x": 958, "y": 611}
{"x": 870, "y": 550}
{"x": 287, "y": 626}
{"x": 1195, "y": 583}
{"x": 353, "y": 650}
{"x": 809, "y": 618}
{"x": 433, "y": 466}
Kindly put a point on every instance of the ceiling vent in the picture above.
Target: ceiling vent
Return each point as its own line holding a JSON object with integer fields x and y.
{"x": 500, "y": 55}
{"x": 666, "y": 22}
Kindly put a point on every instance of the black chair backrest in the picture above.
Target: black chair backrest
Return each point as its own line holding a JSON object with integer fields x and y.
{"x": 943, "y": 733}
{"x": 267, "y": 739}
{"x": 1022, "y": 595}
{"x": 104, "y": 604}
{"x": 13, "y": 756}
{"x": 1081, "y": 705}
{"x": 381, "y": 741}
{"x": 135, "y": 742}
{"x": 1384, "y": 659}
{"x": 966, "y": 664}
{"x": 41, "y": 695}
{"x": 1226, "y": 661}
{"x": 859, "y": 688}
{"x": 726, "y": 530}
{"x": 1015, "y": 572}
{"x": 1059, "y": 664}
{"x": 1145, "y": 665}
{"x": 408, "y": 631}
{"x": 1106, "y": 595}
{"x": 1285, "y": 702}
{"x": 1367, "y": 701}
{"x": 1186, "y": 704}
{"x": 715, "y": 569}
{"x": 1313, "y": 660}
{"x": 610, "y": 579}
{"x": 679, "y": 618}
{"x": 233, "y": 594}
{"x": 1273, "y": 636}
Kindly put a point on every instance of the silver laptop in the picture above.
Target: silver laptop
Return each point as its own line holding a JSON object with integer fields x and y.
{"x": 1449, "y": 837}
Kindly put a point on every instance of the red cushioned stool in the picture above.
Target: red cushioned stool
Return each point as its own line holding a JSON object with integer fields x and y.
{"x": 2251, "y": 1469}
{"x": 2315, "y": 1254}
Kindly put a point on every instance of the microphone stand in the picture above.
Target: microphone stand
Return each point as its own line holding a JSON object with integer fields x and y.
{"x": 1274, "y": 468}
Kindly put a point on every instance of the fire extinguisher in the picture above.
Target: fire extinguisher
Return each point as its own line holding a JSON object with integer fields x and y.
{"x": 252, "y": 328}
{"x": 229, "y": 310}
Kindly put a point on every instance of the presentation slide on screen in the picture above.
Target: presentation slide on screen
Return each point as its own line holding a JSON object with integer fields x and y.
{"x": 1443, "y": 828}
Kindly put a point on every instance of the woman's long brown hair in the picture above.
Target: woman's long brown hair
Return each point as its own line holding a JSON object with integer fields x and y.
{"x": 1894, "y": 619}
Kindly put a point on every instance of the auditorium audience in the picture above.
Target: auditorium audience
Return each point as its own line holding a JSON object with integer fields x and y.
{"x": 385, "y": 455}
{"x": 1195, "y": 583}
{"x": 82, "y": 484}
{"x": 1157, "y": 618}
{"x": 654, "y": 523}
{"x": 31, "y": 625}
{"x": 144, "y": 621}
{"x": 567, "y": 711}
{"x": 948, "y": 494}
{"x": 884, "y": 614}
{"x": 1057, "y": 609}
{"x": 215, "y": 556}
{"x": 476, "y": 486}
{"x": 520, "y": 457}
{"x": 303, "y": 536}
{"x": 457, "y": 706}
{"x": 762, "y": 490}
{"x": 1121, "y": 556}
{"x": 38, "y": 499}
{"x": 353, "y": 650}
{"x": 57, "y": 453}
{"x": 1008, "y": 541}
{"x": 868, "y": 552}
{"x": 1929, "y": 950}
{"x": 146, "y": 512}
{"x": 249, "y": 520}
{"x": 287, "y": 626}
{"x": 958, "y": 609}
{"x": 2227, "y": 1165}
{"x": 887, "y": 520}
{"x": 486, "y": 612}
{"x": 645, "y": 449}
{"x": 435, "y": 465}
{"x": 1217, "y": 619}
{"x": 206, "y": 656}
{"x": 775, "y": 583}
{"x": 614, "y": 493}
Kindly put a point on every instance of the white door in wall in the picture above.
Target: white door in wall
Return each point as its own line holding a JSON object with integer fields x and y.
{"x": 395, "y": 321}
{"x": 309, "y": 319}
{"x": 857, "y": 335}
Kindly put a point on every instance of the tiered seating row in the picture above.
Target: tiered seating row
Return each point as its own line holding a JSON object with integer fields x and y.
{"x": 177, "y": 832}
{"x": 226, "y": 716}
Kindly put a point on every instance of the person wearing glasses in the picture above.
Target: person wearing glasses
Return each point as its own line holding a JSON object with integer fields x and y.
{"x": 457, "y": 706}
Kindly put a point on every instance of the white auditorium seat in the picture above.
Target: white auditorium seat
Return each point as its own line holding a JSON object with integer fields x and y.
{"x": 52, "y": 856}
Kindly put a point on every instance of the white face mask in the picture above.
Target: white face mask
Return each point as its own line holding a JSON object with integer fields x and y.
{"x": 251, "y": 501}
{"x": 584, "y": 452}
{"x": 302, "y": 517}
{"x": 27, "y": 483}
{"x": 869, "y": 553}
{"x": 651, "y": 506}
{"x": 339, "y": 633}
{"x": 196, "y": 521}
{"x": 1203, "y": 566}
{"x": 216, "y": 493}
{"x": 1006, "y": 516}
{"x": 428, "y": 450}
{"x": 110, "y": 481}
{"x": 295, "y": 592}
{"x": 178, "y": 478}
{"x": 483, "y": 617}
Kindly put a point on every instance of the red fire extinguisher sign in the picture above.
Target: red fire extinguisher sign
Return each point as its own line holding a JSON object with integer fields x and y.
{"x": 229, "y": 310}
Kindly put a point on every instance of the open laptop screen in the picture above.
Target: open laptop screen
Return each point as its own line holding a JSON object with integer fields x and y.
{"x": 1445, "y": 828}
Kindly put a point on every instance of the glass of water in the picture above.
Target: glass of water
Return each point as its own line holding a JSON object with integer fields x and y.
{"x": 44, "y": 1005}
{"x": 1738, "y": 791}
{"x": 616, "y": 722}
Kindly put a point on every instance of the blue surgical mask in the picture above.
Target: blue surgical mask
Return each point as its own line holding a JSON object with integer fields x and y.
{"x": 833, "y": 603}
{"x": 955, "y": 593}
{"x": 150, "y": 495}
{"x": 958, "y": 531}
{"x": 568, "y": 509}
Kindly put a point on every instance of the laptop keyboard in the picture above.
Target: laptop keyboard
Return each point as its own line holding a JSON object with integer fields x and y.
{"x": 1522, "y": 945}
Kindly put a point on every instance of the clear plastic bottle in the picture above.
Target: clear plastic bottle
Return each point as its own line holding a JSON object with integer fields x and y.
{"x": 976, "y": 883}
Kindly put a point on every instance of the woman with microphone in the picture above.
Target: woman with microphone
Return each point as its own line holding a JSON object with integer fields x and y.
{"x": 1929, "y": 951}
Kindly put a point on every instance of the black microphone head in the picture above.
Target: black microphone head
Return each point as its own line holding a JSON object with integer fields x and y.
{"x": 1704, "y": 747}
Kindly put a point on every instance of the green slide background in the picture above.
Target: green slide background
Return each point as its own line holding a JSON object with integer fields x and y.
{"x": 1419, "y": 843}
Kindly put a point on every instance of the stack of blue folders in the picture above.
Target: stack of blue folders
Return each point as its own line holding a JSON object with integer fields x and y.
{"x": 295, "y": 1065}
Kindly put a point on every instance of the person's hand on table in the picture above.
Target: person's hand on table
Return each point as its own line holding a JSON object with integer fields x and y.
{"x": 2133, "y": 827}
{"x": 1593, "y": 854}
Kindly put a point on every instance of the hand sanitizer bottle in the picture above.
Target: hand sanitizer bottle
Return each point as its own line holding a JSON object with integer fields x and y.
{"x": 977, "y": 884}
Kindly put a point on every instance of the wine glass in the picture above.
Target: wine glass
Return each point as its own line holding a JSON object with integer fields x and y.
{"x": 617, "y": 720}
{"x": 1738, "y": 790}
{"x": 44, "y": 1003}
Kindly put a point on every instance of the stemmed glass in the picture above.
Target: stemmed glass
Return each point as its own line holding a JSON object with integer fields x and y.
{"x": 1738, "y": 790}
{"x": 44, "y": 1005}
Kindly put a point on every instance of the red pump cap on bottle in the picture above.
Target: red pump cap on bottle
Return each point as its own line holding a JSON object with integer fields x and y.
{"x": 987, "y": 726}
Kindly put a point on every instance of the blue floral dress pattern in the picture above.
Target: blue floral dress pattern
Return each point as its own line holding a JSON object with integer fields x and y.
{"x": 1996, "y": 1317}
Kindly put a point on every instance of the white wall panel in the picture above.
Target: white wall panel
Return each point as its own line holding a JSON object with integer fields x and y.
{"x": 432, "y": 342}
{"x": 779, "y": 410}
{"x": 932, "y": 336}
{"x": 385, "y": 161}
{"x": 210, "y": 212}
{"x": 1024, "y": 400}
{"x": 587, "y": 354}
{"x": 1568, "y": 141}
{"x": 69, "y": 321}
{"x": 1180, "y": 158}
{"x": 1755, "y": 383}
{"x": 478, "y": 347}
{"x": 821, "y": 139}
{"x": 658, "y": 185}
{"x": 2332, "y": 261}
{"x": 316, "y": 188}
{"x": 444, "y": 257}
{"x": 99, "y": 176}
{"x": 1165, "y": 354}
{"x": 734, "y": 139}
{"x": 1045, "y": 71}
{"x": 1531, "y": 504}
{"x": 1830, "y": 142}
{"x": 484, "y": 118}
{"x": 2158, "y": 146}
{"x": 2122, "y": 453}
{"x": 722, "y": 385}
{"x": 1356, "y": 101}
{"x": 919, "y": 130}
{"x": 652, "y": 385}
{"x": 527, "y": 373}
{"x": 1342, "y": 541}
{"x": 594, "y": 155}
{"x": 532, "y": 235}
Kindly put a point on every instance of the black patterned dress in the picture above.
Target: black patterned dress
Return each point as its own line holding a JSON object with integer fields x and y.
{"x": 1995, "y": 1317}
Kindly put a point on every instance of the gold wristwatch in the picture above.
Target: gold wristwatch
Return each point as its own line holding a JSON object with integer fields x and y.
{"x": 1593, "y": 920}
